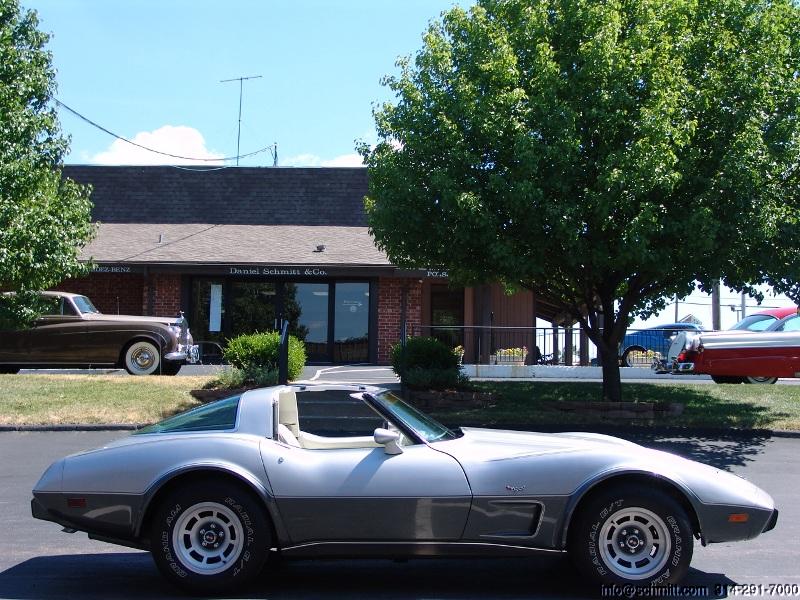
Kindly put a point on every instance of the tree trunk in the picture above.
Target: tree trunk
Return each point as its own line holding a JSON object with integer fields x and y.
{"x": 612, "y": 385}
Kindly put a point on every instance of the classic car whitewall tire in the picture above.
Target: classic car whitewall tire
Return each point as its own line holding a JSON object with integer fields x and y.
{"x": 210, "y": 537}
{"x": 142, "y": 358}
{"x": 632, "y": 535}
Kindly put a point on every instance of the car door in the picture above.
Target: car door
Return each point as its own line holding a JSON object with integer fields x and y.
{"x": 364, "y": 494}
{"x": 58, "y": 337}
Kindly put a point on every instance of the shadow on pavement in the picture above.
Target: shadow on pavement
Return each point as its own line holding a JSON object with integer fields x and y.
{"x": 720, "y": 451}
{"x": 126, "y": 575}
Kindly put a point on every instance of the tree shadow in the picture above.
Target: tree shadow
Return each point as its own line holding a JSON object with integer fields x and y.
{"x": 115, "y": 576}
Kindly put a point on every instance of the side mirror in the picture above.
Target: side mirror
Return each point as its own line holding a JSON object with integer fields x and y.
{"x": 388, "y": 439}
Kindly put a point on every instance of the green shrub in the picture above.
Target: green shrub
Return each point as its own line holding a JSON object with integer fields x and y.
{"x": 257, "y": 354}
{"x": 426, "y": 362}
{"x": 423, "y": 352}
{"x": 434, "y": 379}
{"x": 233, "y": 378}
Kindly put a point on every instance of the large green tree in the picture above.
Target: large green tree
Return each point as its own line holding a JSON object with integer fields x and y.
{"x": 44, "y": 219}
{"x": 601, "y": 154}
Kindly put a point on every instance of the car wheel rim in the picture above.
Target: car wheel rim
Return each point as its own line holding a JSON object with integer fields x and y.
{"x": 634, "y": 543}
{"x": 208, "y": 538}
{"x": 142, "y": 358}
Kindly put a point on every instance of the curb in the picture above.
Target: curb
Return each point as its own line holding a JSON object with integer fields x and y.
{"x": 718, "y": 432}
{"x": 74, "y": 427}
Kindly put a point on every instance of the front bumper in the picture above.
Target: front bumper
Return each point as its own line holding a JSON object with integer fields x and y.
{"x": 190, "y": 354}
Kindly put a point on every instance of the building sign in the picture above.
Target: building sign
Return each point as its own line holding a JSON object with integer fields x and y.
{"x": 279, "y": 271}
{"x": 114, "y": 269}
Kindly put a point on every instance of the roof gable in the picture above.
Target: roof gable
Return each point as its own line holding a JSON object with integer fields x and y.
{"x": 227, "y": 196}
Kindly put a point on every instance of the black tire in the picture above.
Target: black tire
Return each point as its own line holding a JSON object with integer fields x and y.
{"x": 170, "y": 367}
{"x": 727, "y": 379}
{"x": 209, "y": 513}
{"x": 626, "y": 356}
{"x": 9, "y": 370}
{"x": 657, "y": 537}
{"x": 761, "y": 380}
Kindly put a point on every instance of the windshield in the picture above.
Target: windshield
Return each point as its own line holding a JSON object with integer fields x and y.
{"x": 84, "y": 305}
{"x": 215, "y": 416}
{"x": 755, "y": 323}
{"x": 426, "y": 427}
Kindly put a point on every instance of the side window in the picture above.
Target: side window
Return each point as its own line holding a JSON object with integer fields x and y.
{"x": 792, "y": 324}
{"x": 333, "y": 413}
{"x": 55, "y": 306}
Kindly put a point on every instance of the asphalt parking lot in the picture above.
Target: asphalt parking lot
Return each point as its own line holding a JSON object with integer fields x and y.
{"x": 38, "y": 561}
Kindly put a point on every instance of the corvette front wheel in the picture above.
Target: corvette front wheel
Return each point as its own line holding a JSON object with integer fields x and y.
{"x": 632, "y": 535}
{"x": 210, "y": 537}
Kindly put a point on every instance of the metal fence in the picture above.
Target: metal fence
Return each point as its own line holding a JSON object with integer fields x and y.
{"x": 547, "y": 345}
{"x": 515, "y": 345}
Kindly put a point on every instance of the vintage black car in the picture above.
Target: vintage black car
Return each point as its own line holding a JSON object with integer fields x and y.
{"x": 74, "y": 334}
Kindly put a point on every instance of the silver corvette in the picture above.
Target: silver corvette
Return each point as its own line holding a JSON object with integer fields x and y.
{"x": 215, "y": 491}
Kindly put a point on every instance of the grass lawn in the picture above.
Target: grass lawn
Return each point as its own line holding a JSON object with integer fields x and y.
{"x": 774, "y": 407}
{"x": 105, "y": 399}
{"x": 66, "y": 399}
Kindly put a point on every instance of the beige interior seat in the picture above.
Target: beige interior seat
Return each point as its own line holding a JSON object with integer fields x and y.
{"x": 289, "y": 429}
{"x": 287, "y": 412}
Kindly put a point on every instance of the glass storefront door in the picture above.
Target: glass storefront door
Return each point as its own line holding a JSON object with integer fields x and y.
{"x": 351, "y": 323}
{"x": 307, "y": 311}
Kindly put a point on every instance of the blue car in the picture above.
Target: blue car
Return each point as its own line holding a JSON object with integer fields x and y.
{"x": 635, "y": 345}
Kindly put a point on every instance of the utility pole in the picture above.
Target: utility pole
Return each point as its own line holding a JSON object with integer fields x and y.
{"x": 716, "y": 317}
{"x": 241, "y": 81}
{"x": 676, "y": 308}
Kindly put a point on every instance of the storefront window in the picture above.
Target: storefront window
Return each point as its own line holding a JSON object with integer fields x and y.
{"x": 253, "y": 306}
{"x": 351, "y": 330}
{"x": 447, "y": 315}
{"x": 307, "y": 311}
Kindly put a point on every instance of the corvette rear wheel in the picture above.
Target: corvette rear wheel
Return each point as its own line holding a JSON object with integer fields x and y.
{"x": 210, "y": 537}
{"x": 632, "y": 535}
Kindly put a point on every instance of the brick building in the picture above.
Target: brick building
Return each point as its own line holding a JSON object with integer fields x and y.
{"x": 239, "y": 249}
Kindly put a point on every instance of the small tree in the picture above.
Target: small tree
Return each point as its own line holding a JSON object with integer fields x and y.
{"x": 44, "y": 219}
{"x": 602, "y": 154}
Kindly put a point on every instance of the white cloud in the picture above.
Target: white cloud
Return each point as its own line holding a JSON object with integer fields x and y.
{"x": 178, "y": 140}
{"x": 312, "y": 160}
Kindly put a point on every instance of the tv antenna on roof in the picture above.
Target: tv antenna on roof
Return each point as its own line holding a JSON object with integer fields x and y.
{"x": 241, "y": 81}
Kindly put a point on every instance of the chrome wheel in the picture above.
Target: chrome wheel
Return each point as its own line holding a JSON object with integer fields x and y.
{"x": 634, "y": 543}
{"x": 208, "y": 538}
{"x": 142, "y": 358}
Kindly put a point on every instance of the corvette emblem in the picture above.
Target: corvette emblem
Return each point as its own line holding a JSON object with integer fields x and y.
{"x": 513, "y": 488}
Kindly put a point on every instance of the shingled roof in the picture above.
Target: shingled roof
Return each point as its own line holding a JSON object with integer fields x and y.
{"x": 165, "y": 215}
{"x": 233, "y": 196}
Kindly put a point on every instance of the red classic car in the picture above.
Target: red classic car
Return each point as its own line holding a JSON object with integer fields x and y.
{"x": 743, "y": 357}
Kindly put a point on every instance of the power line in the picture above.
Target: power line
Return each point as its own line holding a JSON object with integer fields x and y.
{"x": 273, "y": 148}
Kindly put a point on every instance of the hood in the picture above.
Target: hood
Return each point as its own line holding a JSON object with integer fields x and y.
{"x": 498, "y": 443}
{"x": 132, "y": 319}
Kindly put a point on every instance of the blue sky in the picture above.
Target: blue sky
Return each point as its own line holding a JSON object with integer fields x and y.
{"x": 150, "y": 69}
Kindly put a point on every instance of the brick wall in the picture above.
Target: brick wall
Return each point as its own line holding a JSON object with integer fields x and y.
{"x": 111, "y": 293}
{"x": 161, "y": 295}
{"x": 390, "y": 294}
